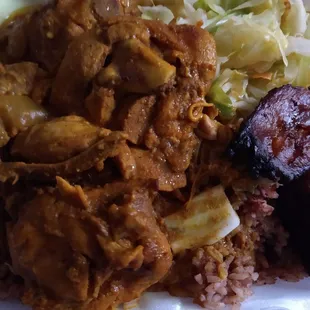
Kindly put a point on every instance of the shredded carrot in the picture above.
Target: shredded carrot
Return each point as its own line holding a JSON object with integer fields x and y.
{"x": 287, "y": 8}
{"x": 199, "y": 23}
{"x": 265, "y": 76}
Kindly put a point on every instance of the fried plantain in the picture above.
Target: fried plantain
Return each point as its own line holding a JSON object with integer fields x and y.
{"x": 274, "y": 141}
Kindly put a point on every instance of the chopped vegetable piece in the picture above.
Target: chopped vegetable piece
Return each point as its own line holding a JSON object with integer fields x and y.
{"x": 206, "y": 219}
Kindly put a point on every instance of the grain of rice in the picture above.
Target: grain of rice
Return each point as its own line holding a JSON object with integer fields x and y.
{"x": 236, "y": 276}
{"x": 202, "y": 298}
{"x": 222, "y": 291}
{"x": 199, "y": 278}
{"x": 217, "y": 298}
{"x": 213, "y": 279}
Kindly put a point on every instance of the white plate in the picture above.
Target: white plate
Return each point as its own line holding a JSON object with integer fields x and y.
{"x": 280, "y": 296}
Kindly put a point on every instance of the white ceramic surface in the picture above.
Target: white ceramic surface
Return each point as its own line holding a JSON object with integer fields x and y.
{"x": 281, "y": 296}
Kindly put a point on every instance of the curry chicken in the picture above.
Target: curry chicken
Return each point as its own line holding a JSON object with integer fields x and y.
{"x": 116, "y": 175}
{"x": 96, "y": 123}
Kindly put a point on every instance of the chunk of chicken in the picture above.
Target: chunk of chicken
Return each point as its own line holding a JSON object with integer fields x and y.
{"x": 106, "y": 253}
{"x": 136, "y": 68}
{"x": 148, "y": 167}
{"x": 17, "y": 113}
{"x": 17, "y": 79}
{"x": 191, "y": 49}
{"x": 198, "y": 58}
{"x": 13, "y": 39}
{"x": 94, "y": 156}
{"x": 48, "y": 38}
{"x": 100, "y": 105}
{"x": 135, "y": 117}
{"x": 128, "y": 28}
{"x": 126, "y": 162}
{"x": 172, "y": 132}
{"x": 83, "y": 60}
{"x": 108, "y": 8}
{"x": 78, "y": 12}
{"x": 56, "y": 140}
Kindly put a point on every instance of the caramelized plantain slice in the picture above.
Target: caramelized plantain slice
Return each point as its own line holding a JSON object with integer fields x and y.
{"x": 275, "y": 141}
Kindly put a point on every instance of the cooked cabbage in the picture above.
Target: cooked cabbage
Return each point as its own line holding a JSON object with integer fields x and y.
{"x": 253, "y": 41}
{"x": 205, "y": 219}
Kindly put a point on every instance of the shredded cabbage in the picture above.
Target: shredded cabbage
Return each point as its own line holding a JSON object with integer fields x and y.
{"x": 192, "y": 16}
{"x": 251, "y": 41}
{"x": 261, "y": 44}
{"x": 298, "y": 70}
{"x": 227, "y": 91}
{"x": 298, "y": 45}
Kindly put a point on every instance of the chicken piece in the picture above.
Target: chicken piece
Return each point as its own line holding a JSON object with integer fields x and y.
{"x": 79, "y": 12}
{"x": 127, "y": 29}
{"x": 108, "y": 8}
{"x": 172, "y": 132}
{"x": 48, "y": 38}
{"x": 42, "y": 229}
{"x": 275, "y": 140}
{"x": 198, "y": 61}
{"x": 94, "y": 156}
{"x": 41, "y": 89}
{"x": 83, "y": 60}
{"x": 106, "y": 254}
{"x": 86, "y": 13}
{"x": 163, "y": 35}
{"x": 17, "y": 113}
{"x": 148, "y": 167}
{"x": 13, "y": 39}
{"x": 25, "y": 78}
{"x": 105, "y": 10}
{"x": 165, "y": 205}
{"x": 100, "y": 105}
{"x": 135, "y": 118}
{"x": 136, "y": 68}
{"x": 126, "y": 162}
{"x": 191, "y": 49}
{"x": 57, "y": 140}
{"x": 18, "y": 79}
